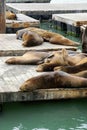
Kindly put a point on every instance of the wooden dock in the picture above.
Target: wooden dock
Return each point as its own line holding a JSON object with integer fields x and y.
{"x": 10, "y": 82}
{"x": 12, "y": 76}
{"x": 39, "y": 10}
{"x": 70, "y": 22}
{"x": 27, "y": 1}
{"x": 9, "y": 45}
{"x": 22, "y": 21}
{"x": 74, "y": 19}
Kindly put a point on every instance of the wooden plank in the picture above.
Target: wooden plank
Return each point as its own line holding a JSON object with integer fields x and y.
{"x": 10, "y": 82}
{"x": 9, "y": 45}
{"x": 46, "y": 8}
{"x": 45, "y": 94}
{"x": 68, "y": 1}
{"x": 22, "y": 21}
{"x": 27, "y": 1}
{"x": 74, "y": 19}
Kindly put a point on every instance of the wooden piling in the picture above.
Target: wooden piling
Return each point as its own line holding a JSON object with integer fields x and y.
{"x": 2, "y": 16}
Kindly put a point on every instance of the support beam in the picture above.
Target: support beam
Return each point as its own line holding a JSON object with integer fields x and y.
{"x": 2, "y": 16}
{"x": 1, "y": 107}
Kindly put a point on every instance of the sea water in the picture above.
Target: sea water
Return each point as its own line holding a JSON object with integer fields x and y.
{"x": 45, "y": 115}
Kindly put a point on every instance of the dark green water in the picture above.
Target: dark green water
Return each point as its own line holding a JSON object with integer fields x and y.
{"x": 45, "y": 115}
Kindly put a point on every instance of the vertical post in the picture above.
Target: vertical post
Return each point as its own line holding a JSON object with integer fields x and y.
{"x": 2, "y": 16}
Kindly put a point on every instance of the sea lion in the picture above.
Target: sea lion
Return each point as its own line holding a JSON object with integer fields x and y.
{"x": 32, "y": 57}
{"x": 72, "y": 69}
{"x": 56, "y": 60}
{"x": 57, "y": 79}
{"x": 31, "y": 39}
{"x": 61, "y": 58}
{"x": 49, "y": 36}
{"x": 81, "y": 74}
{"x": 84, "y": 38}
{"x": 10, "y": 15}
{"x": 79, "y": 66}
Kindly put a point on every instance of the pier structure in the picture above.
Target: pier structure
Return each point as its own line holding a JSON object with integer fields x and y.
{"x": 45, "y": 10}
{"x": 21, "y": 22}
{"x": 12, "y": 76}
{"x": 70, "y": 22}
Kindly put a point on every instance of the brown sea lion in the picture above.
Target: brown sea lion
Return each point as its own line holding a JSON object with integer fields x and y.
{"x": 32, "y": 57}
{"x": 61, "y": 58}
{"x": 49, "y": 36}
{"x": 10, "y": 15}
{"x": 79, "y": 66}
{"x": 56, "y": 60}
{"x": 31, "y": 39}
{"x": 57, "y": 79}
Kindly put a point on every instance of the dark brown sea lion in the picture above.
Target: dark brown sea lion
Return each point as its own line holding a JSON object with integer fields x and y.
{"x": 84, "y": 38}
{"x": 57, "y": 79}
{"x": 51, "y": 37}
{"x": 72, "y": 69}
{"x": 10, "y": 15}
{"x": 32, "y": 57}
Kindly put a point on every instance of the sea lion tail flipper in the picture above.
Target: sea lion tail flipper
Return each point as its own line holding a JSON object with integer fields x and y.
{"x": 14, "y": 60}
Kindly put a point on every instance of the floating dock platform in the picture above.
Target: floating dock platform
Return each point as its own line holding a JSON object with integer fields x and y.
{"x": 22, "y": 21}
{"x": 12, "y": 76}
{"x": 9, "y": 46}
{"x": 70, "y": 22}
{"x": 27, "y": 1}
{"x": 45, "y": 10}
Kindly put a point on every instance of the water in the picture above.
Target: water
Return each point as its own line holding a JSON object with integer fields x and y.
{"x": 50, "y": 26}
{"x": 45, "y": 115}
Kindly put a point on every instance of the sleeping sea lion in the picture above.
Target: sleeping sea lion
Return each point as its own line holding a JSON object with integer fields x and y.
{"x": 31, "y": 39}
{"x": 57, "y": 79}
{"x": 49, "y": 36}
{"x": 32, "y": 57}
{"x": 61, "y": 58}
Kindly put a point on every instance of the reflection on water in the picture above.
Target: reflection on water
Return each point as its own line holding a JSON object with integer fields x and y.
{"x": 40, "y": 129}
{"x": 20, "y": 127}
